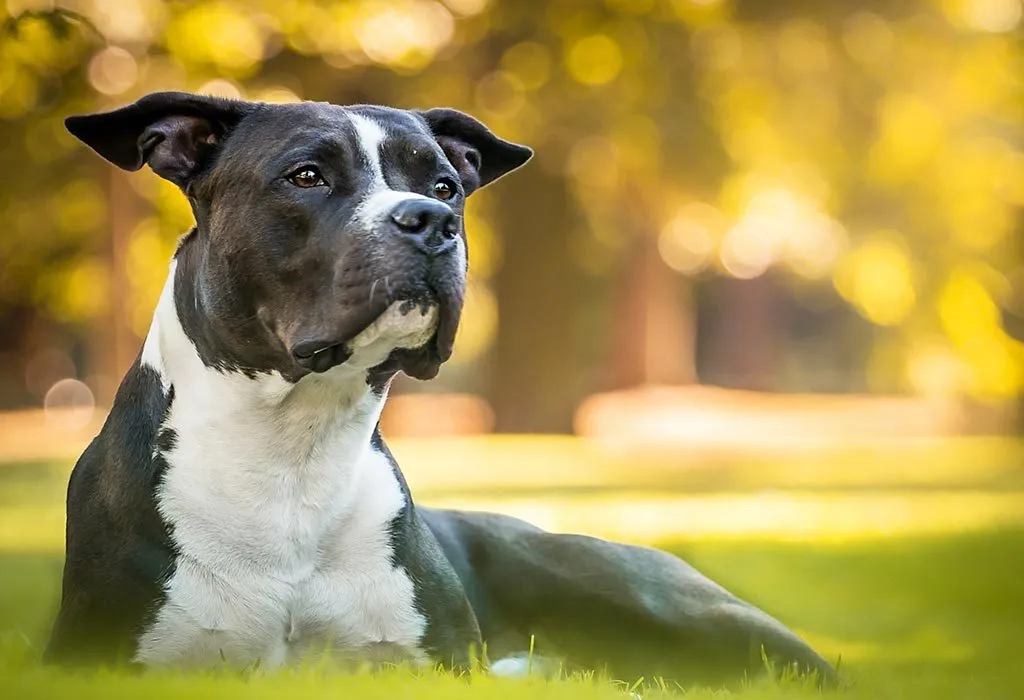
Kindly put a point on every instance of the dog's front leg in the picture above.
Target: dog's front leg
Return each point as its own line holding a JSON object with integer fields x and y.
{"x": 452, "y": 638}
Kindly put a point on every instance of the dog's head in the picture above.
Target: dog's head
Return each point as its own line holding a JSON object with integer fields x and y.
{"x": 325, "y": 235}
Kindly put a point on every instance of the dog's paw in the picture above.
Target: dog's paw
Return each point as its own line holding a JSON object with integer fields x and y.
{"x": 512, "y": 667}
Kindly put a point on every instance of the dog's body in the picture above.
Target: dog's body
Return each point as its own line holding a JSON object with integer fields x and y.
{"x": 239, "y": 505}
{"x": 295, "y": 545}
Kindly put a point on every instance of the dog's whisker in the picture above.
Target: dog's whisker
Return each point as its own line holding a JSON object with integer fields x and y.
{"x": 373, "y": 288}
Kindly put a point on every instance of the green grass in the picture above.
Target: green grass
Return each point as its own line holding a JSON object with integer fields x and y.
{"x": 916, "y": 617}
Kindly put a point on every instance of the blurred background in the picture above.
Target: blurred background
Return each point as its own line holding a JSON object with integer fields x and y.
{"x": 762, "y": 283}
{"x": 815, "y": 208}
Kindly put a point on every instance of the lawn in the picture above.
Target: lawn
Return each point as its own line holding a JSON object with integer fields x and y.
{"x": 929, "y": 604}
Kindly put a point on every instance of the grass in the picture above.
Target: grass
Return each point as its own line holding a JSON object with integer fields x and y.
{"x": 915, "y": 612}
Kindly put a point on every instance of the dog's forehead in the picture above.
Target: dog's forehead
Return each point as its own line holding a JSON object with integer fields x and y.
{"x": 395, "y": 122}
{"x": 364, "y": 127}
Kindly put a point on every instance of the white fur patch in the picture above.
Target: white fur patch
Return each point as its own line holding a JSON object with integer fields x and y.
{"x": 280, "y": 510}
{"x": 512, "y": 667}
{"x": 521, "y": 666}
{"x": 152, "y": 355}
{"x": 370, "y": 136}
{"x": 380, "y": 200}
{"x": 379, "y": 204}
{"x": 392, "y": 329}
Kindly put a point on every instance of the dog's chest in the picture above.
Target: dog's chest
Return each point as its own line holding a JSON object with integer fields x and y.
{"x": 278, "y": 561}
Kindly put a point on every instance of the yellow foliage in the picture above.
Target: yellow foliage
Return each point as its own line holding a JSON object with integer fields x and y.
{"x": 80, "y": 207}
{"x": 113, "y": 71}
{"x": 482, "y": 241}
{"x": 33, "y": 45}
{"x": 80, "y": 291}
{"x": 529, "y": 62}
{"x": 219, "y": 34}
{"x": 146, "y": 263}
{"x": 18, "y": 92}
{"x": 877, "y": 278}
{"x": 500, "y": 95}
{"x": 910, "y": 133}
{"x": 986, "y": 363}
{"x": 701, "y": 12}
{"x": 968, "y": 184}
{"x": 966, "y": 308}
{"x": 593, "y": 162}
{"x": 479, "y": 323}
{"x": 173, "y": 207}
{"x": 985, "y": 15}
{"x": 638, "y": 144}
{"x": 868, "y": 38}
{"x": 689, "y": 239}
{"x": 983, "y": 77}
{"x": 820, "y": 131}
{"x": 594, "y": 60}
{"x": 804, "y": 47}
{"x": 936, "y": 370}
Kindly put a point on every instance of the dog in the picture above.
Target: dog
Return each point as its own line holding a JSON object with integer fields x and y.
{"x": 239, "y": 505}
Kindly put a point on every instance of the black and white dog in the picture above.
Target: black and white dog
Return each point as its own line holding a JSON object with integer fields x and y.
{"x": 239, "y": 505}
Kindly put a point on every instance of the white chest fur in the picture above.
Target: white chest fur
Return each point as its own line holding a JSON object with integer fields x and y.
{"x": 271, "y": 568}
{"x": 281, "y": 512}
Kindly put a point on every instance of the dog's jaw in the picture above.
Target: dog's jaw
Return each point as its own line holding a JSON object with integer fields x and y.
{"x": 403, "y": 326}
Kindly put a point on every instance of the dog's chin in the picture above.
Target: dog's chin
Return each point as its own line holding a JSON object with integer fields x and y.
{"x": 412, "y": 335}
{"x": 422, "y": 334}
{"x": 423, "y": 345}
{"x": 404, "y": 325}
{"x": 408, "y": 336}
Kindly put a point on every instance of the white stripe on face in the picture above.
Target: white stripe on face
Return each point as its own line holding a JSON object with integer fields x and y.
{"x": 370, "y": 136}
{"x": 380, "y": 200}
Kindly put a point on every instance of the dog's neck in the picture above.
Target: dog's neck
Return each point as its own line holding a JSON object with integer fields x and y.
{"x": 267, "y": 419}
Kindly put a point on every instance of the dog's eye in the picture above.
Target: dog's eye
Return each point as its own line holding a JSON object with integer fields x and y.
{"x": 444, "y": 189}
{"x": 306, "y": 177}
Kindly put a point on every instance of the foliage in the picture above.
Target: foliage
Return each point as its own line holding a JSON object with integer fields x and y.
{"x": 870, "y": 153}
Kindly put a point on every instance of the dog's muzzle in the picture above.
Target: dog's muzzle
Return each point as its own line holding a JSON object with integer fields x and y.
{"x": 412, "y": 309}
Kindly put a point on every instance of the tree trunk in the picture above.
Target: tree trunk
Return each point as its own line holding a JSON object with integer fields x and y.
{"x": 741, "y": 330}
{"x": 533, "y": 372}
{"x": 114, "y": 345}
{"x": 653, "y": 326}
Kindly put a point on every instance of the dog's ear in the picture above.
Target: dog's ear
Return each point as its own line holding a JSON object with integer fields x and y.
{"x": 478, "y": 155}
{"x": 173, "y": 132}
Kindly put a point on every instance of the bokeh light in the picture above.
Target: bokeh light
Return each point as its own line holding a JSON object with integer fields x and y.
{"x": 688, "y": 240}
{"x": 594, "y": 60}
{"x": 986, "y": 15}
{"x": 69, "y": 404}
{"x": 113, "y": 71}
{"x": 877, "y": 278}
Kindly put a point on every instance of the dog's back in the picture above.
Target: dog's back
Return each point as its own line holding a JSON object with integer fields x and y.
{"x": 592, "y": 604}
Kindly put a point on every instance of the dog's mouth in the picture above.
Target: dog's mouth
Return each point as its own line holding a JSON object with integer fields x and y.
{"x": 404, "y": 325}
{"x": 414, "y": 336}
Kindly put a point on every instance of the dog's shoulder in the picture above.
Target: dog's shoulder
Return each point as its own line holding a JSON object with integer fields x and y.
{"x": 126, "y": 457}
{"x": 118, "y": 550}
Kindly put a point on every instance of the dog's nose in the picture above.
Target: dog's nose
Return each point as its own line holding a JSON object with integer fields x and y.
{"x": 430, "y": 225}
